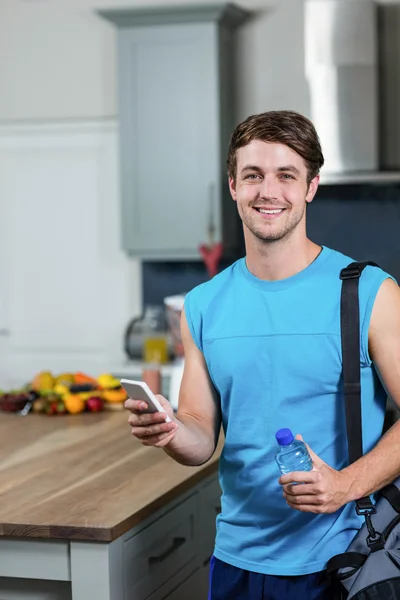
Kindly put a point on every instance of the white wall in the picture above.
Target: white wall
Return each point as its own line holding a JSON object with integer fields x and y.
{"x": 57, "y": 58}
{"x": 58, "y": 159}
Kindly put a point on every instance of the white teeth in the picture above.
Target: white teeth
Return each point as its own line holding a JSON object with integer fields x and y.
{"x": 270, "y": 212}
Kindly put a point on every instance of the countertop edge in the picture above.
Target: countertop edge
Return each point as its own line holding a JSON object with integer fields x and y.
{"x": 105, "y": 534}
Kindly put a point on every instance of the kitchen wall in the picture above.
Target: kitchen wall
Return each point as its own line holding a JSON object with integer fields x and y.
{"x": 66, "y": 288}
{"x": 57, "y": 58}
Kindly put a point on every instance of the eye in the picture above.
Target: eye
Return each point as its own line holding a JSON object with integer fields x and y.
{"x": 286, "y": 176}
{"x": 252, "y": 176}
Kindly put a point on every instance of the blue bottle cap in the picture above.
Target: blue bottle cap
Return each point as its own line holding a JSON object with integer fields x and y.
{"x": 284, "y": 437}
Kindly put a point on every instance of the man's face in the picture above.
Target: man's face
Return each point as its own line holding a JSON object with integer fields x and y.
{"x": 271, "y": 189}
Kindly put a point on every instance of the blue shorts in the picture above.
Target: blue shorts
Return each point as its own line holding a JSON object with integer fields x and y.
{"x": 231, "y": 583}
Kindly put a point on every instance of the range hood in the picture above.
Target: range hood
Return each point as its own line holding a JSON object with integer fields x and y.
{"x": 352, "y": 61}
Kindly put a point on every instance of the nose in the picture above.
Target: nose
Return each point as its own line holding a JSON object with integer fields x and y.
{"x": 269, "y": 188}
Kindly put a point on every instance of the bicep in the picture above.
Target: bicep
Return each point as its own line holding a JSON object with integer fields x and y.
{"x": 198, "y": 397}
{"x": 384, "y": 337}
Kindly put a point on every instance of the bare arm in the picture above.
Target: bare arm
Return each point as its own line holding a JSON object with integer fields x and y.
{"x": 192, "y": 435}
{"x": 325, "y": 490}
{"x": 382, "y": 464}
{"x": 198, "y": 416}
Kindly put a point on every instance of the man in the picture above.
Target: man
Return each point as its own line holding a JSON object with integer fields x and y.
{"x": 263, "y": 351}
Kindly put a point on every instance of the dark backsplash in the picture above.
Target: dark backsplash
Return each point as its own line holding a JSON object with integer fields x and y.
{"x": 360, "y": 220}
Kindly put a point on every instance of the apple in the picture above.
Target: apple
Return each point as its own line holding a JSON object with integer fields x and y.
{"x": 95, "y": 404}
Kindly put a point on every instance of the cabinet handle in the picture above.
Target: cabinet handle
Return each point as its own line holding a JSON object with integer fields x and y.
{"x": 217, "y": 509}
{"x": 176, "y": 543}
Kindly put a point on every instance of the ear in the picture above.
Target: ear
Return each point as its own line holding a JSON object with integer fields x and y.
{"x": 232, "y": 188}
{"x": 312, "y": 189}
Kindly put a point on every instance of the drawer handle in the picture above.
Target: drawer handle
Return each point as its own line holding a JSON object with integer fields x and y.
{"x": 177, "y": 542}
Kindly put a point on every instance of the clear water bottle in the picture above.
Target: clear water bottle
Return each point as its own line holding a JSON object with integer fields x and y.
{"x": 291, "y": 455}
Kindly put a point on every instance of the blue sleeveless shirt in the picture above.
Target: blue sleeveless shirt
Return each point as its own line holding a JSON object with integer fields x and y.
{"x": 273, "y": 352}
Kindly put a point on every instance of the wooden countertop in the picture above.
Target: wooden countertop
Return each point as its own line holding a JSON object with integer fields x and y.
{"x": 83, "y": 477}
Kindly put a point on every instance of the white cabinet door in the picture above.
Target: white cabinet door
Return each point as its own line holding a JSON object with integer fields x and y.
{"x": 64, "y": 280}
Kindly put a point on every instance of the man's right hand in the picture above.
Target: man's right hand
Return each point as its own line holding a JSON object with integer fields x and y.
{"x": 150, "y": 428}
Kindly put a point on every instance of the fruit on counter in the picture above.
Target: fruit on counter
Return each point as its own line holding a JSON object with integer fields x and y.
{"x": 115, "y": 395}
{"x": 74, "y": 404}
{"x": 14, "y": 401}
{"x": 70, "y": 393}
{"x": 43, "y": 381}
{"x": 55, "y": 406}
{"x": 40, "y": 405}
{"x": 75, "y": 388}
{"x": 65, "y": 379}
{"x": 95, "y": 404}
{"x": 61, "y": 389}
{"x": 82, "y": 378}
{"x": 108, "y": 381}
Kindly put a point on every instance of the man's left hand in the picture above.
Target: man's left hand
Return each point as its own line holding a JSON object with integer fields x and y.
{"x": 322, "y": 490}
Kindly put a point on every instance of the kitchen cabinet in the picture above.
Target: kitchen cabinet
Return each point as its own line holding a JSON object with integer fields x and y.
{"x": 176, "y": 110}
{"x": 87, "y": 512}
{"x": 194, "y": 588}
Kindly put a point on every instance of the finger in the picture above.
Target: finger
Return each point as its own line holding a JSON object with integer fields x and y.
{"x": 303, "y": 500}
{"x": 299, "y": 489}
{"x": 135, "y": 405}
{"x": 317, "y": 461}
{"x": 145, "y": 419}
{"x": 163, "y": 401}
{"x": 151, "y": 430}
{"x": 299, "y": 477}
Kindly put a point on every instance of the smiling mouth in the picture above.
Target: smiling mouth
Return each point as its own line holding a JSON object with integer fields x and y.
{"x": 269, "y": 211}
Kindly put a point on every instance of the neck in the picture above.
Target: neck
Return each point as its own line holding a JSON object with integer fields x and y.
{"x": 280, "y": 259}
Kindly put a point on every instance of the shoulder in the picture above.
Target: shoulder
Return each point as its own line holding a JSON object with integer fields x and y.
{"x": 384, "y": 336}
{"x": 206, "y": 299}
{"x": 372, "y": 276}
{"x": 386, "y": 308}
{"x": 202, "y": 295}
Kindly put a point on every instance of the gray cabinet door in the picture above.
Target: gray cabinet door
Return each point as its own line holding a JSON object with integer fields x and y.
{"x": 170, "y": 138}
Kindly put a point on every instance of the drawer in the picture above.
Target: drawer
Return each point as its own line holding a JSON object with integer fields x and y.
{"x": 210, "y": 507}
{"x": 160, "y": 552}
{"x": 193, "y": 588}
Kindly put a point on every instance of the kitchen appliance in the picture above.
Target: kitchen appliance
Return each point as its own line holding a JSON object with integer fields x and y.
{"x": 146, "y": 336}
{"x": 352, "y": 62}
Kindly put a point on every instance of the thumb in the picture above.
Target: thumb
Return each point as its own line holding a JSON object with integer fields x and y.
{"x": 166, "y": 405}
{"x": 317, "y": 461}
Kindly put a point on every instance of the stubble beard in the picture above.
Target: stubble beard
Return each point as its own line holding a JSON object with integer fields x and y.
{"x": 269, "y": 232}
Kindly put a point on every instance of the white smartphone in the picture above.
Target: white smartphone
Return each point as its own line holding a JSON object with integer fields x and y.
{"x": 139, "y": 390}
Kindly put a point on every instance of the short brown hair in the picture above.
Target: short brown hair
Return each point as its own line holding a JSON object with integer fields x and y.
{"x": 282, "y": 127}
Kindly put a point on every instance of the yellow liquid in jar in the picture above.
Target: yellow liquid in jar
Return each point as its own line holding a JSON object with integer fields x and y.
{"x": 155, "y": 350}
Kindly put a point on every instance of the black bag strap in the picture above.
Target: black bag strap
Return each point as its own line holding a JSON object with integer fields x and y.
{"x": 392, "y": 495}
{"x": 350, "y": 335}
{"x": 352, "y": 560}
